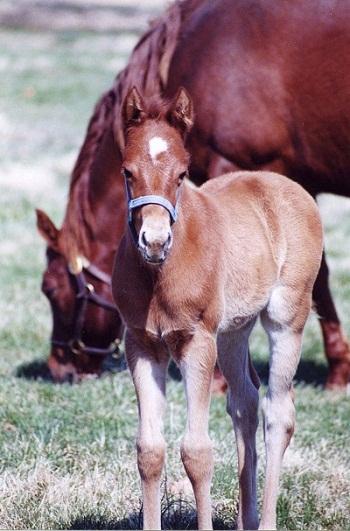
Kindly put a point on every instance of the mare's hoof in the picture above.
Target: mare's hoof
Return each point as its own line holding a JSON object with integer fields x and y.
{"x": 339, "y": 377}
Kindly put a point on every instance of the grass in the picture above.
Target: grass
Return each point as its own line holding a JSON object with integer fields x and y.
{"x": 67, "y": 457}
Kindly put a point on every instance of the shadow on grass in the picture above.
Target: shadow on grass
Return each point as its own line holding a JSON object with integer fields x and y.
{"x": 38, "y": 369}
{"x": 34, "y": 370}
{"x": 309, "y": 372}
{"x": 182, "y": 517}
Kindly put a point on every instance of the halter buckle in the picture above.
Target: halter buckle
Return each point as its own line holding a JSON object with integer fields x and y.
{"x": 77, "y": 346}
{"x": 117, "y": 354}
{"x": 89, "y": 287}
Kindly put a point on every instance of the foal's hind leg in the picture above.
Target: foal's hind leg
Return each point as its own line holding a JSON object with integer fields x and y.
{"x": 284, "y": 321}
{"x": 242, "y": 405}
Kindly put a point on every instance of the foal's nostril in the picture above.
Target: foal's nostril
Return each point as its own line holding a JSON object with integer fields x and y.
{"x": 168, "y": 242}
{"x": 144, "y": 239}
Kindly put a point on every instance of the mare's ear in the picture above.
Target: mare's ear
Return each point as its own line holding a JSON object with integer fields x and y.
{"x": 180, "y": 113}
{"x": 133, "y": 109}
{"x": 47, "y": 229}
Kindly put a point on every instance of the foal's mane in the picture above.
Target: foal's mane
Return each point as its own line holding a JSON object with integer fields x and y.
{"x": 148, "y": 70}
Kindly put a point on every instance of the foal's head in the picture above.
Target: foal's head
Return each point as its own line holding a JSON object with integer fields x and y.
{"x": 155, "y": 163}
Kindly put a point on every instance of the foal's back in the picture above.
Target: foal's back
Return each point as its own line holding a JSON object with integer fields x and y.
{"x": 272, "y": 237}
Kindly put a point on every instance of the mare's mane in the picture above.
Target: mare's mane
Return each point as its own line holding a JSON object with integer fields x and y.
{"x": 147, "y": 69}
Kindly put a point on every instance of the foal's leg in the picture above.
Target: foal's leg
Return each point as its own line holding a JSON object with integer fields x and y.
{"x": 284, "y": 321}
{"x": 242, "y": 406}
{"x": 197, "y": 366}
{"x": 149, "y": 379}
{"x": 336, "y": 345}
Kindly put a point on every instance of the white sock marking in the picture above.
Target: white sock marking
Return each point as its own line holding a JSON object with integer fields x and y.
{"x": 156, "y": 146}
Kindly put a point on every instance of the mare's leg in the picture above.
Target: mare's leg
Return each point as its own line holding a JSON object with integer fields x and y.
{"x": 149, "y": 377}
{"x": 242, "y": 406}
{"x": 197, "y": 365}
{"x": 219, "y": 385}
{"x": 283, "y": 320}
{"x": 336, "y": 345}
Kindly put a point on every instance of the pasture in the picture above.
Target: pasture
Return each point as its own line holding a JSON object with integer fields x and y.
{"x": 67, "y": 457}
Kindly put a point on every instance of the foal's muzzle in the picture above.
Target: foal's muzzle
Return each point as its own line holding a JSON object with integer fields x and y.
{"x": 154, "y": 247}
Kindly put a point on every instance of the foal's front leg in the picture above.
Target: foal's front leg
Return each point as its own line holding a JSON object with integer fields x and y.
{"x": 197, "y": 366}
{"x": 149, "y": 376}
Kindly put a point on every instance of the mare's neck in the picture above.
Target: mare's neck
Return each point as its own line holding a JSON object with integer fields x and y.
{"x": 107, "y": 203}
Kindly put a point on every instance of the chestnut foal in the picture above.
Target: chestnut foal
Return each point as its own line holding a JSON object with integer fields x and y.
{"x": 194, "y": 270}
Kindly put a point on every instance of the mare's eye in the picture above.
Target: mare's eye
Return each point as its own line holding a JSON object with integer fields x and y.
{"x": 127, "y": 174}
{"x": 182, "y": 176}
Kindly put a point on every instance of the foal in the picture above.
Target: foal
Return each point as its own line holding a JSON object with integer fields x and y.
{"x": 194, "y": 270}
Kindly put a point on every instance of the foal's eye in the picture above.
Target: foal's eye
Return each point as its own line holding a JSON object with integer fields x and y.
{"x": 182, "y": 176}
{"x": 127, "y": 174}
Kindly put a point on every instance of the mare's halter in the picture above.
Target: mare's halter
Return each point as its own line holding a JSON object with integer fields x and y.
{"x": 85, "y": 294}
{"x": 148, "y": 200}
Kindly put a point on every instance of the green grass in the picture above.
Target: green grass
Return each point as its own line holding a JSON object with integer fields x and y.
{"x": 67, "y": 457}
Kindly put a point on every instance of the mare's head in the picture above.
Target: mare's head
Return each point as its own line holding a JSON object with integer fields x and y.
{"x": 155, "y": 163}
{"x": 62, "y": 281}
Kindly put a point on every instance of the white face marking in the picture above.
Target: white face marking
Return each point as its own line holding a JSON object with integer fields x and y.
{"x": 157, "y": 145}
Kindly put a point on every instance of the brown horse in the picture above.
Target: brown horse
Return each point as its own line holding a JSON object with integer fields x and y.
{"x": 263, "y": 233}
{"x": 282, "y": 72}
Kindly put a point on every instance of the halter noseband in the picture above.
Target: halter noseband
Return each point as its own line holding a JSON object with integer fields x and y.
{"x": 143, "y": 200}
{"x": 152, "y": 200}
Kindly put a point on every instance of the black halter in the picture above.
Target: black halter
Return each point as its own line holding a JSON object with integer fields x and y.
{"x": 85, "y": 294}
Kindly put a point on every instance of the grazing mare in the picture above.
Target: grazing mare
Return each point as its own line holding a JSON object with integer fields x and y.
{"x": 79, "y": 259}
{"x": 282, "y": 70}
{"x": 193, "y": 271}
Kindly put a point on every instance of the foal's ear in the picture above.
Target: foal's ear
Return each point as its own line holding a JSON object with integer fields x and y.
{"x": 181, "y": 111}
{"x": 133, "y": 109}
{"x": 47, "y": 229}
